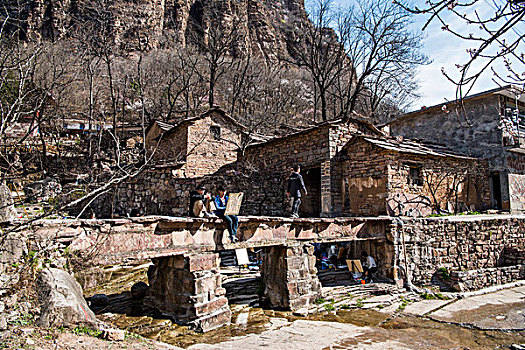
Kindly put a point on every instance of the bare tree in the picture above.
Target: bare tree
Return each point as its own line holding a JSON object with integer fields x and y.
{"x": 359, "y": 57}
{"x": 264, "y": 98}
{"x": 383, "y": 54}
{"x": 494, "y": 35}
{"x": 217, "y": 39}
{"x": 321, "y": 53}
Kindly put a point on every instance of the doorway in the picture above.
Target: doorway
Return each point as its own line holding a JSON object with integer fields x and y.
{"x": 495, "y": 190}
{"x": 311, "y": 204}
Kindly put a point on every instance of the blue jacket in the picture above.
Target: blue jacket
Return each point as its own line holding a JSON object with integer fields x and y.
{"x": 221, "y": 208}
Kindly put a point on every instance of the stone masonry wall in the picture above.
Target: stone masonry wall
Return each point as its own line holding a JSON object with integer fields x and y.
{"x": 477, "y": 279}
{"x": 477, "y": 134}
{"x": 455, "y": 243}
{"x": 163, "y": 192}
{"x": 206, "y": 153}
{"x": 290, "y": 276}
{"x": 189, "y": 288}
{"x": 364, "y": 179}
{"x": 170, "y": 149}
{"x": 452, "y": 184}
{"x": 339, "y": 137}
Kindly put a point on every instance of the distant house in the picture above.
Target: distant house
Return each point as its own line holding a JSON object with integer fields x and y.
{"x": 489, "y": 126}
{"x": 197, "y": 146}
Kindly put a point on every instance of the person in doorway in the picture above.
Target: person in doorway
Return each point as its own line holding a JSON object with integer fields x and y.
{"x": 295, "y": 185}
{"x": 332, "y": 253}
{"x": 232, "y": 222}
{"x": 369, "y": 265}
{"x": 199, "y": 203}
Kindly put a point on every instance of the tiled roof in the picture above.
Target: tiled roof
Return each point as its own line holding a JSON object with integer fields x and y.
{"x": 408, "y": 146}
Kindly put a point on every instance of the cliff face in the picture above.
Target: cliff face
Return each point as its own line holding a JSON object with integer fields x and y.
{"x": 263, "y": 26}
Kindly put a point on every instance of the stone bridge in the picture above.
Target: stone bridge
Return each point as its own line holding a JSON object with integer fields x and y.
{"x": 185, "y": 282}
{"x": 155, "y": 237}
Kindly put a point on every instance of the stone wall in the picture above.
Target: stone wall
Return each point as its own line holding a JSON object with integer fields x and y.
{"x": 170, "y": 149}
{"x": 475, "y": 134}
{"x": 455, "y": 243}
{"x": 447, "y": 184}
{"x": 364, "y": 179}
{"x": 290, "y": 276}
{"x": 485, "y": 277}
{"x": 189, "y": 288}
{"x": 208, "y": 152}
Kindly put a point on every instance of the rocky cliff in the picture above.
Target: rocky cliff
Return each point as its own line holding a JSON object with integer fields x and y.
{"x": 264, "y": 27}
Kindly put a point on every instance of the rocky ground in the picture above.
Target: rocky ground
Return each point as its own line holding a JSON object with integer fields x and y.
{"x": 348, "y": 316}
{"x": 373, "y": 316}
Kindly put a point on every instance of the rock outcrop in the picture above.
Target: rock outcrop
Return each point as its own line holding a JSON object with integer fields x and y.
{"x": 61, "y": 300}
{"x": 7, "y": 208}
{"x": 265, "y": 27}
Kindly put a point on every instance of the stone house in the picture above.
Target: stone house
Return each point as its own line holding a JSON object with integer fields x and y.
{"x": 196, "y": 146}
{"x": 315, "y": 150}
{"x": 387, "y": 176}
{"x": 489, "y": 126}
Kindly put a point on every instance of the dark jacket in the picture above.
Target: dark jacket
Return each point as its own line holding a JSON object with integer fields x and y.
{"x": 194, "y": 197}
{"x": 296, "y": 184}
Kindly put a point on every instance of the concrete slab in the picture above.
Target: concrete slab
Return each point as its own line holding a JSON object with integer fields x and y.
{"x": 503, "y": 309}
{"x": 391, "y": 308}
{"x": 423, "y": 307}
{"x": 300, "y": 335}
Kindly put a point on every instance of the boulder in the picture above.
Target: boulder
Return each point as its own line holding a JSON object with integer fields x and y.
{"x": 12, "y": 249}
{"x": 61, "y": 300}
{"x": 112, "y": 334}
{"x": 7, "y": 209}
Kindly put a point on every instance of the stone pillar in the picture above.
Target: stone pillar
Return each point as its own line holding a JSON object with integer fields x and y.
{"x": 290, "y": 276}
{"x": 326, "y": 189}
{"x": 189, "y": 289}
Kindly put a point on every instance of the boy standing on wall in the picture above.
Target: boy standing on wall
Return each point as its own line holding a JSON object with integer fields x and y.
{"x": 295, "y": 185}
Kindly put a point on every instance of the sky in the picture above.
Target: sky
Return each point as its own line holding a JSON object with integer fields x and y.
{"x": 445, "y": 51}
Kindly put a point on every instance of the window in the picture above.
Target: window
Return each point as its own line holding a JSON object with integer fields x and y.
{"x": 414, "y": 176}
{"x": 215, "y": 132}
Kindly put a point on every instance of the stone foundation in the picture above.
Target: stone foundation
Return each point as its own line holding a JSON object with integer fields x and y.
{"x": 476, "y": 279}
{"x": 189, "y": 289}
{"x": 462, "y": 244}
{"x": 290, "y": 276}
